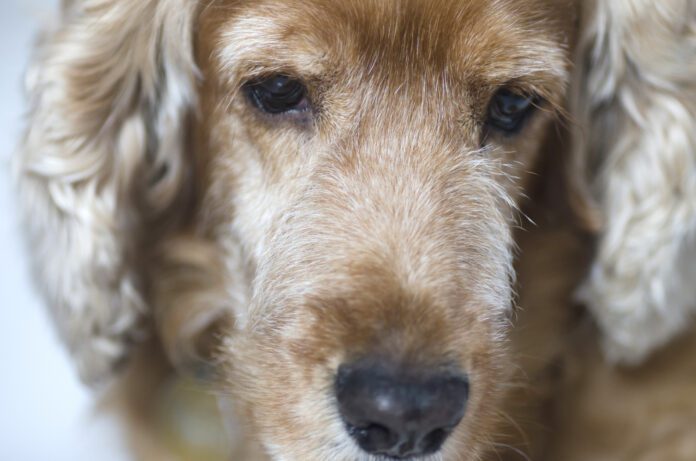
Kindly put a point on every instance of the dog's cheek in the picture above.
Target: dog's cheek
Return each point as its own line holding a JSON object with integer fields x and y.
{"x": 284, "y": 398}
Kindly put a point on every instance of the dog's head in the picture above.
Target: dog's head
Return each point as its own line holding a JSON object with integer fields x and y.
{"x": 329, "y": 187}
{"x": 367, "y": 158}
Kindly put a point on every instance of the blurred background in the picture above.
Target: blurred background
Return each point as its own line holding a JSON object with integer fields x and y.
{"x": 45, "y": 413}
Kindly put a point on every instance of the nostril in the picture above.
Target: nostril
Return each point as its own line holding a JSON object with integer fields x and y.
{"x": 433, "y": 441}
{"x": 372, "y": 438}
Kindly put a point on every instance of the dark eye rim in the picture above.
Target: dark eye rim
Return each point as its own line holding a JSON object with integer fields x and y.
{"x": 293, "y": 101}
{"x": 511, "y": 124}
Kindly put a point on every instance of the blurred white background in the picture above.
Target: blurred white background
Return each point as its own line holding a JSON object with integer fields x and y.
{"x": 45, "y": 413}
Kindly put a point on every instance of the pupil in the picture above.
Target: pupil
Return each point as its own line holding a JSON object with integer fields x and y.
{"x": 277, "y": 94}
{"x": 509, "y": 110}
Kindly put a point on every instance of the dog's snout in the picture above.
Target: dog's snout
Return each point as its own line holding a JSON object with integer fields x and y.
{"x": 400, "y": 413}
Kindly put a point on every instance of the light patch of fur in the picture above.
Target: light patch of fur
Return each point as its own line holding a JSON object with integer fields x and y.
{"x": 638, "y": 102}
{"x": 109, "y": 87}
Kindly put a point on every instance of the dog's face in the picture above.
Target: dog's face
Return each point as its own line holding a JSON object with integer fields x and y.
{"x": 361, "y": 164}
{"x": 330, "y": 187}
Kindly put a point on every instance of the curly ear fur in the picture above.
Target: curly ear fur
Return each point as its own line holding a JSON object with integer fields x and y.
{"x": 109, "y": 88}
{"x": 637, "y": 102}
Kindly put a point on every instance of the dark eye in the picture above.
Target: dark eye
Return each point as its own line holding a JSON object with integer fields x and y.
{"x": 277, "y": 94}
{"x": 509, "y": 110}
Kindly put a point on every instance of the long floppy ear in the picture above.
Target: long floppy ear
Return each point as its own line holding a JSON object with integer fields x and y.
{"x": 636, "y": 101}
{"x": 102, "y": 158}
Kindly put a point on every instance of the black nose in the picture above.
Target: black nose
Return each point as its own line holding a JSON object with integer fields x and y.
{"x": 400, "y": 413}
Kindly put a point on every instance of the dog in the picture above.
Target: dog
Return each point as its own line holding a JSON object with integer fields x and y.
{"x": 363, "y": 223}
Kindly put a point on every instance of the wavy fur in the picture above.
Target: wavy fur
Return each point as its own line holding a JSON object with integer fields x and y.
{"x": 109, "y": 88}
{"x": 638, "y": 108}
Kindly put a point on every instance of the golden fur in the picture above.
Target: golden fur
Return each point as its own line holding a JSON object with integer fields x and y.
{"x": 175, "y": 227}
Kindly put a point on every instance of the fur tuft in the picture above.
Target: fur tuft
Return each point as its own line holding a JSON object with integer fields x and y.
{"x": 108, "y": 88}
{"x": 638, "y": 102}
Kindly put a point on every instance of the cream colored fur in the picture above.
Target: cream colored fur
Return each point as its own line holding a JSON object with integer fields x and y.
{"x": 108, "y": 89}
{"x": 638, "y": 108}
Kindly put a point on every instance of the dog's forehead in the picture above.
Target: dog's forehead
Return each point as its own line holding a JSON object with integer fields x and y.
{"x": 494, "y": 40}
